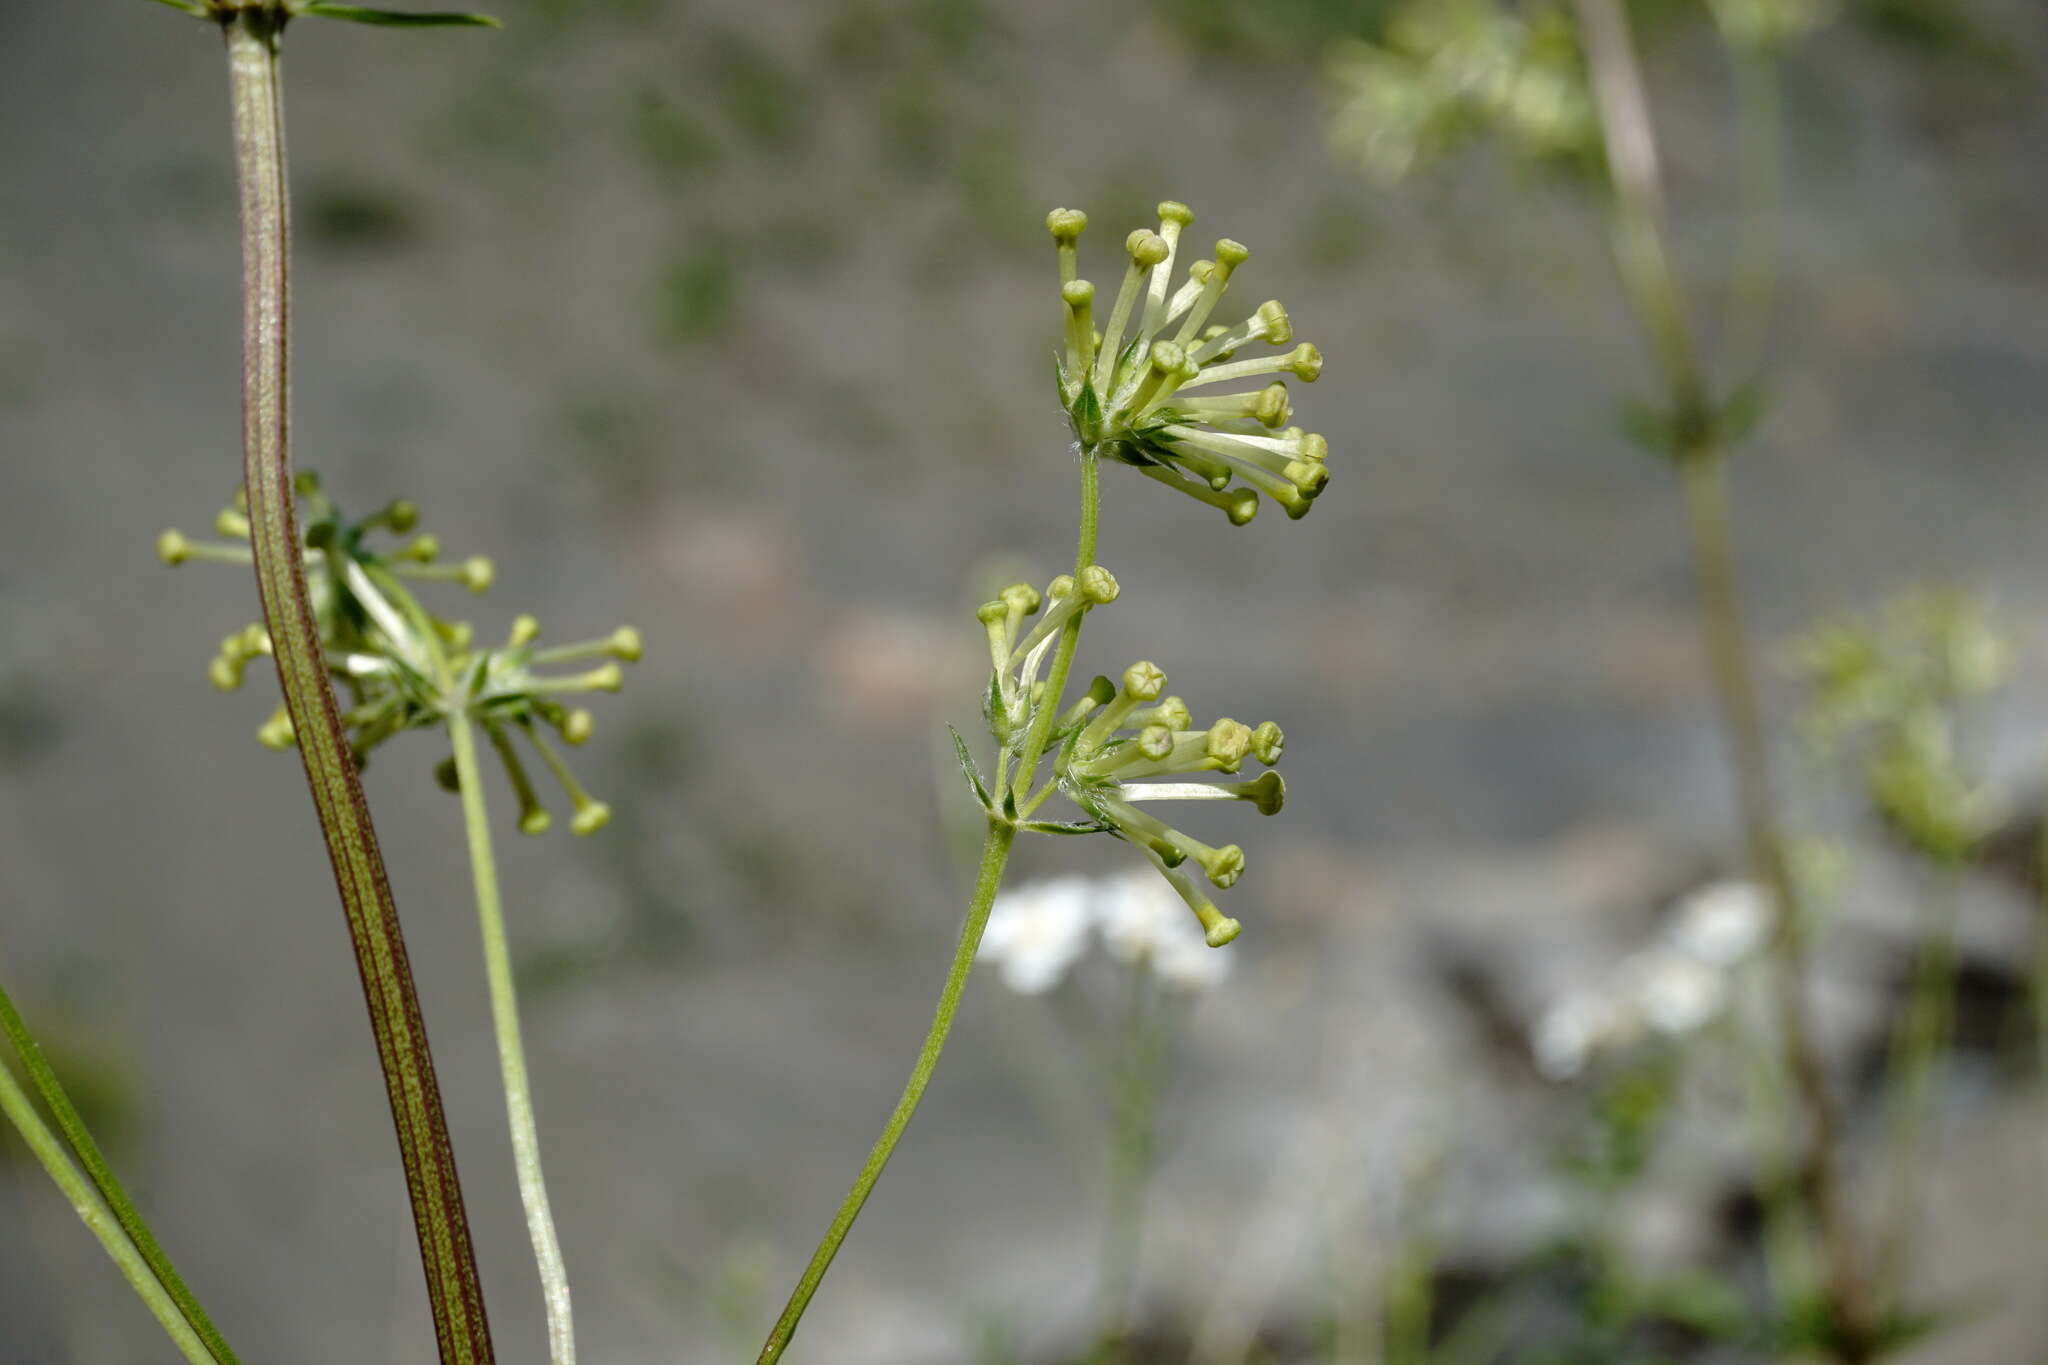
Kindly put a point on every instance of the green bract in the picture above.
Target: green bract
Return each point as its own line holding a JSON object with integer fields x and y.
{"x": 1130, "y": 397}
{"x": 400, "y": 668}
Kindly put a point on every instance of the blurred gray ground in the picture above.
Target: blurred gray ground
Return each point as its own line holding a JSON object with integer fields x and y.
{"x": 730, "y": 320}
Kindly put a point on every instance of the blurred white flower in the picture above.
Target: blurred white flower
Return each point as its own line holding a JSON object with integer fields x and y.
{"x": 1674, "y": 994}
{"x": 1036, "y": 932}
{"x": 1578, "y": 1026}
{"x": 1721, "y": 923}
{"x": 1675, "y": 987}
{"x": 1143, "y": 921}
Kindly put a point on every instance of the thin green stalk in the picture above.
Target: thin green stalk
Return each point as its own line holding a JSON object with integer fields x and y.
{"x": 533, "y": 1190}
{"x": 72, "y": 1125}
{"x": 1704, "y": 479}
{"x": 1759, "y": 105}
{"x": 2041, "y": 946}
{"x": 1130, "y": 1162}
{"x": 93, "y": 1211}
{"x": 454, "y": 1291}
{"x": 1644, "y": 260}
{"x": 1915, "y": 1071}
{"x": 1070, "y": 638}
{"x": 995, "y": 855}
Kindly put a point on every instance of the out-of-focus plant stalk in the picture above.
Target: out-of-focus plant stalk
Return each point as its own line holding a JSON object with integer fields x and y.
{"x": 1759, "y": 107}
{"x": 454, "y": 1291}
{"x": 1642, "y": 254}
{"x": 1134, "y": 1098}
{"x": 1915, "y": 1069}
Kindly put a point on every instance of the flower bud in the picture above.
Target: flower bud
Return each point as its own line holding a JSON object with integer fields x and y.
{"x": 1267, "y": 743}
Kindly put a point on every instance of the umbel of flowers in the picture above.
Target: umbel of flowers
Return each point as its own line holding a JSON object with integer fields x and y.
{"x": 1139, "y": 390}
{"x": 1111, "y": 741}
{"x": 399, "y": 668}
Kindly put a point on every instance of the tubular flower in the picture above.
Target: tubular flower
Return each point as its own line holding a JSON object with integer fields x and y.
{"x": 1137, "y": 389}
{"x": 1109, "y": 743}
{"x": 399, "y": 668}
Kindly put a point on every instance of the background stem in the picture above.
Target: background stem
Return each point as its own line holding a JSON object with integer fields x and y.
{"x": 1133, "y": 1101}
{"x": 1644, "y": 260}
{"x": 533, "y": 1190}
{"x": 454, "y": 1291}
{"x": 995, "y": 855}
{"x": 1916, "y": 1068}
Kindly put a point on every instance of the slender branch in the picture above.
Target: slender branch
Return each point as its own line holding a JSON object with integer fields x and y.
{"x": 72, "y": 1125}
{"x": 1759, "y": 103}
{"x": 995, "y": 854}
{"x": 1070, "y": 637}
{"x": 1135, "y": 1100}
{"x": 454, "y": 1291}
{"x": 93, "y": 1211}
{"x": 533, "y": 1190}
{"x": 1915, "y": 1069}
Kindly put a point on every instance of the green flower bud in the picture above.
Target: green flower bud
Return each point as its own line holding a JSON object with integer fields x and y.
{"x": 1146, "y": 248}
{"x": 1228, "y": 743}
{"x": 1144, "y": 681}
{"x": 625, "y": 643}
{"x": 1098, "y": 585}
{"x": 590, "y": 817}
{"x": 1066, "y": 225}
{"x": 1267, "y": 792}
{"x": 1171, "y": 713}
{"x": 1267, "y": 743}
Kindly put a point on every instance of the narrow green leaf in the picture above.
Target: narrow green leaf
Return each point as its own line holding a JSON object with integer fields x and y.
{"x": 967, "y": 768}
{"x": 1064, "y": 827}
{"x": 191, "y": 7}
{"x": 1742, "y": 412}
{"x": 393, "y": 18}
{"x": 72, "y": 1126}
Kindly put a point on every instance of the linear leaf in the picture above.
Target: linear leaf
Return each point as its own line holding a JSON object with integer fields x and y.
{"x": 395, "y": 18}
{"x": 89, "y": 1155}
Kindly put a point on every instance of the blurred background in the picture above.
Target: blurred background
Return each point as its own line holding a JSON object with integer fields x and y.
{"x": 730, "y": 320}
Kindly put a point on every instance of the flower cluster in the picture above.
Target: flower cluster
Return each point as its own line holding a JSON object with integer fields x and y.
{"x": 1113, "y": 737}
{"x": 1449, "y": 71}
{"x": 1036, "y": 933}
{"x": 1674, "y": 987}
{"x": 399, "y": 668}
{"x": 1891, "y": 688}
{"x": 1127, "y": 388}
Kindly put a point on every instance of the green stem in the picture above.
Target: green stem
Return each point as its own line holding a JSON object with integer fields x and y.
{"x": 1915, "y": 1071}
{"x": 1759, "y": 104}
{"x": 1070, "y": 637}
{"x": 454, "y": 1291}
{"x": 1704, "y": 479}
{"x": 533, "y": 1190}
{"x": 995, "y": 855}
{"x": 93, "y": 1211}
{"x": 80, "y": 1139}
{"x": 1130, "y": 1162}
